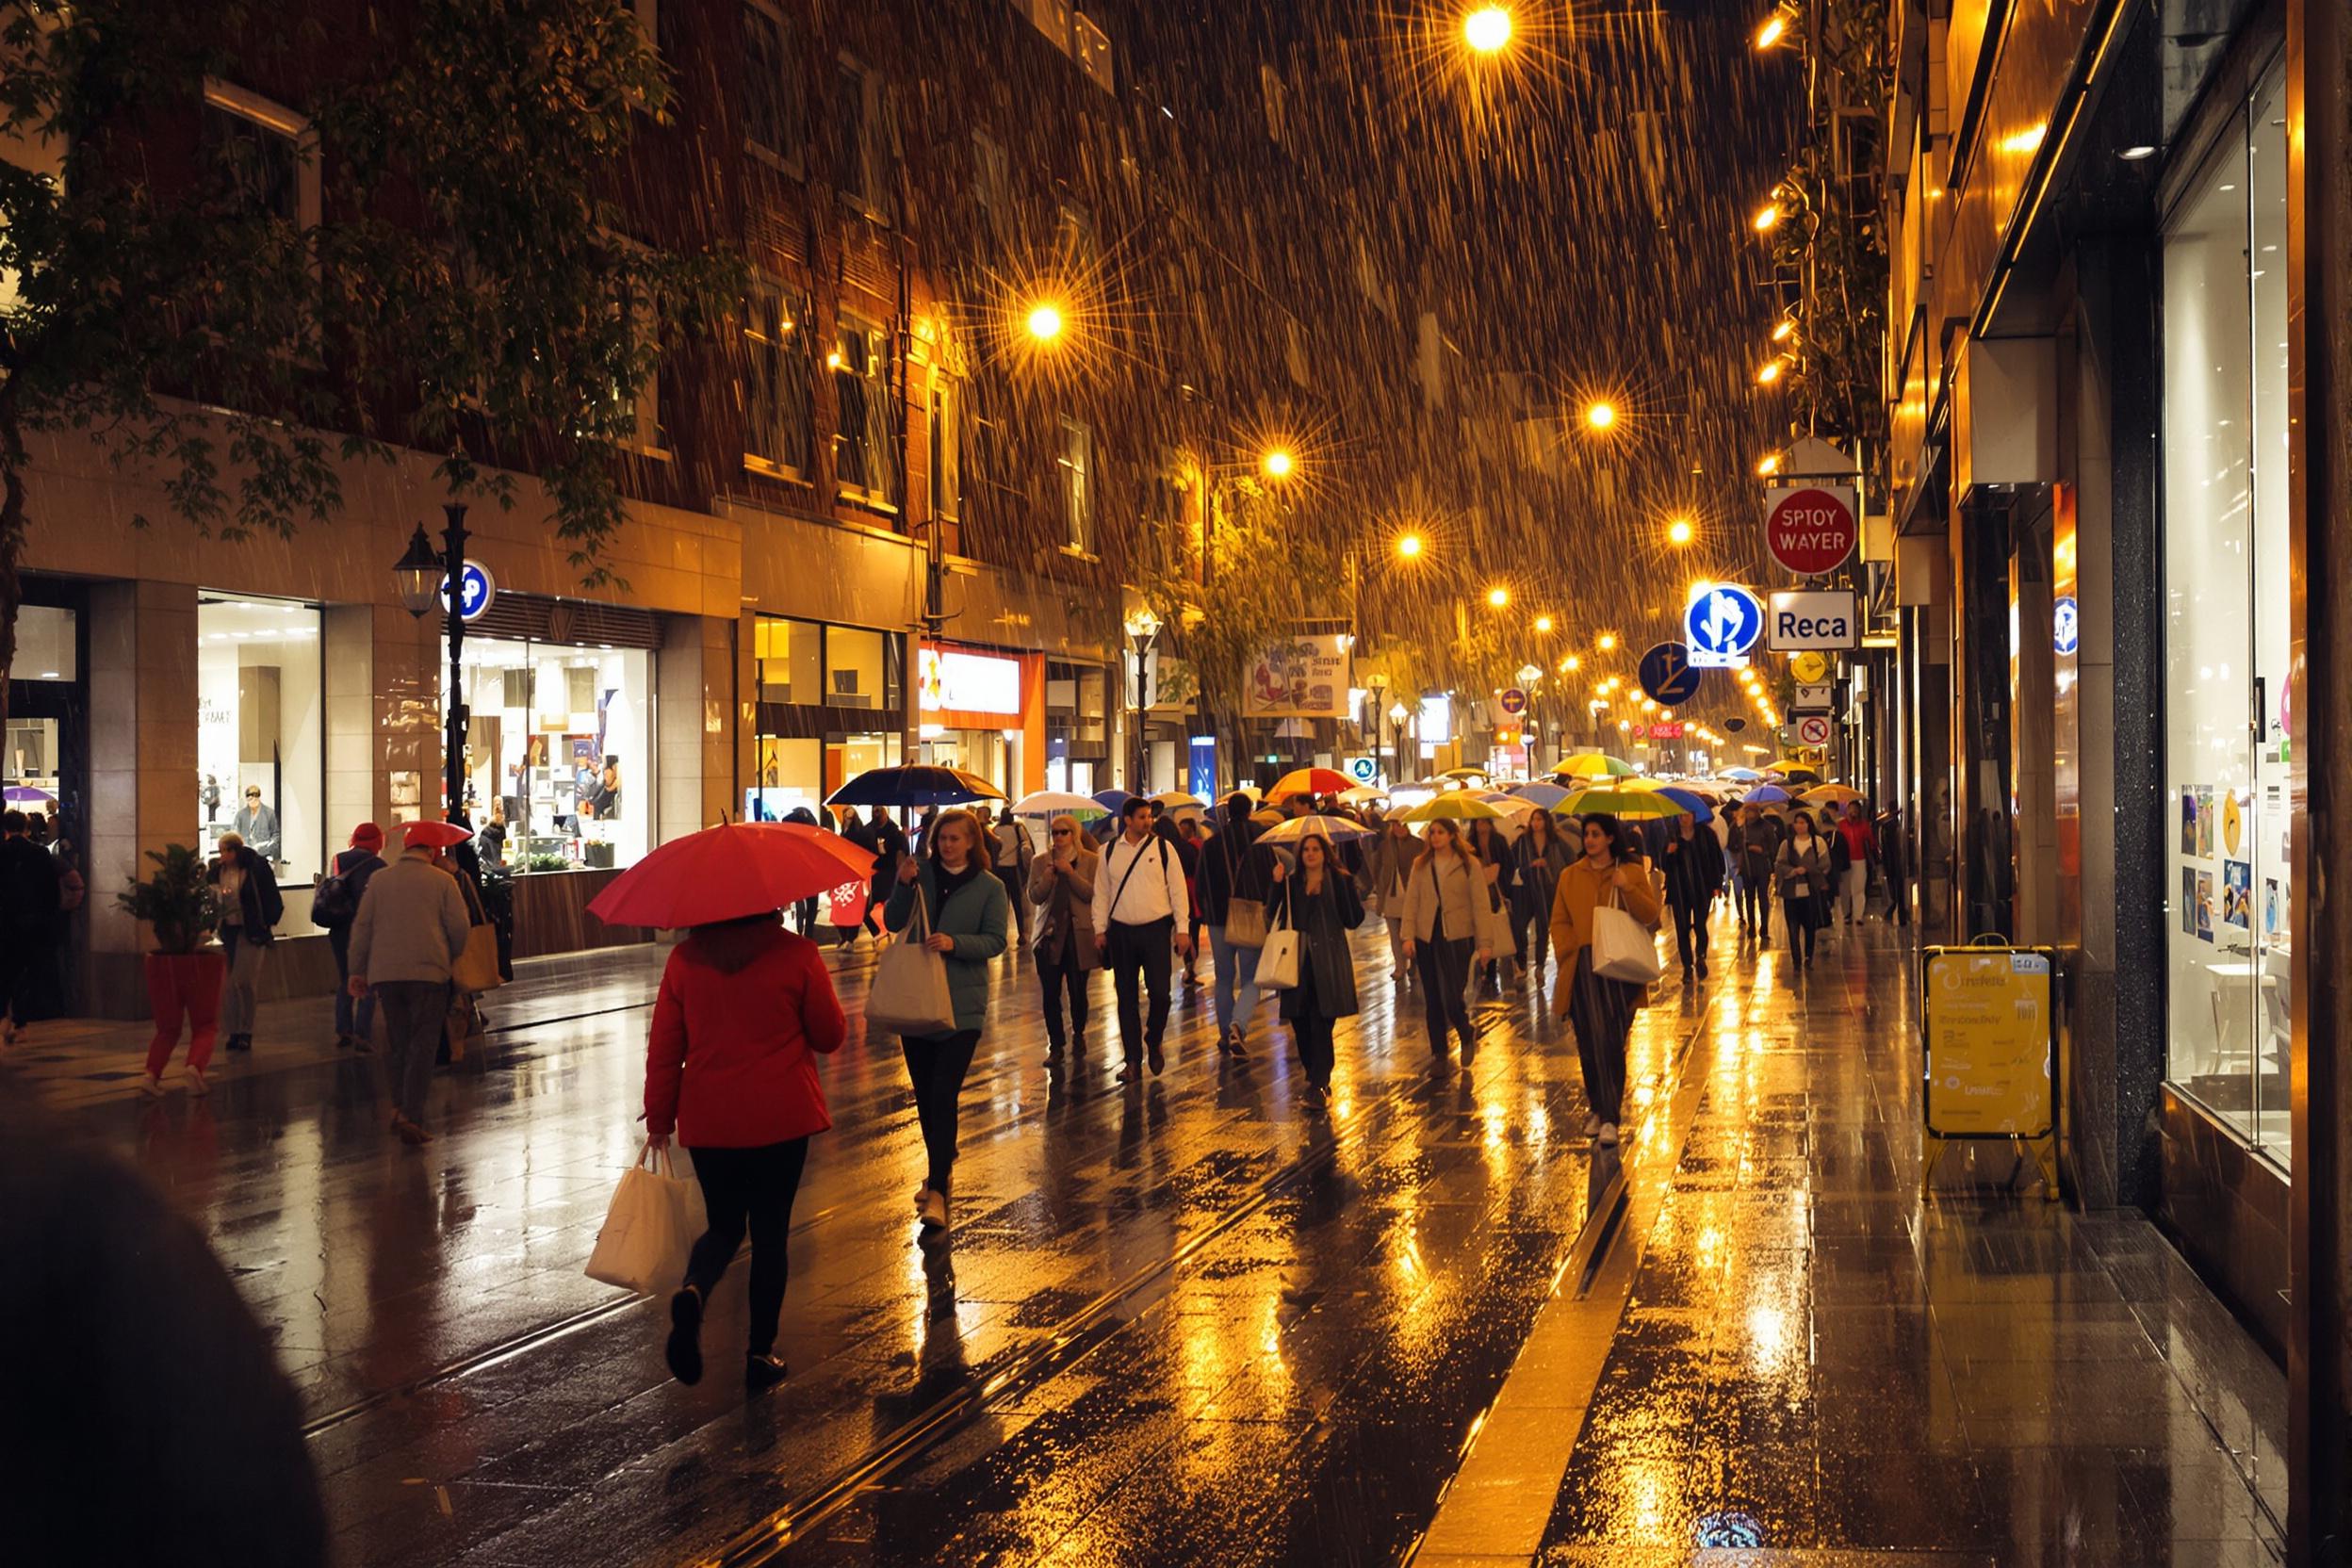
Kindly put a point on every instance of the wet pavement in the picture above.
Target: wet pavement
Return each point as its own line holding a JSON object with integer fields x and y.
{"x": 1195, "y": 1322}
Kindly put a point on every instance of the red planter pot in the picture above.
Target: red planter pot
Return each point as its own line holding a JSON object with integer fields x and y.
{"x": 184, "y": 984}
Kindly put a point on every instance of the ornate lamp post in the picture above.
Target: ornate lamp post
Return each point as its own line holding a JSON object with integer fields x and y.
{"x": 1143, "y": 632}
{"x": 421, "y": 576}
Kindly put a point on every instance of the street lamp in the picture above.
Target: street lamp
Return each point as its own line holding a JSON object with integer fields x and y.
{"x": 1768, "y": 375}
{"x": 1486, "y": 29}
{"x": 1600, "y": 414}
{"x": 1607, "y": 642}
{"x": 421, "y": 576}
{"x": 1679, "y": 531}
{"x": 1497, "y": 596}
{"x": 1044, "y": 323}
{"x": 1544, "y": 624}
{"x": 1278, "y": 463}
{"x": 1410, "y": 546}
{"x": 1143, "y": 630}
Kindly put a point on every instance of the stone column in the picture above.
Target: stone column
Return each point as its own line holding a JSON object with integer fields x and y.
{"x": 142, "y": 766}
{"x": 696, "y": 731}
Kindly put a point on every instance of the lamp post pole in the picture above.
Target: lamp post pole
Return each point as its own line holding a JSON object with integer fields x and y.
{"x": 454, "y": 563}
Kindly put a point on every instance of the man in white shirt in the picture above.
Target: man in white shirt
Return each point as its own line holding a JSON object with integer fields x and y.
{"x": 1141, "y": 912}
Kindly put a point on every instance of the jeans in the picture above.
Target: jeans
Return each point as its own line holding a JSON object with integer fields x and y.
{"x": 1755, "y": 904}
{"x": 1444, "y": 981}
{"x": 238, "y": 1001}
{"x": 748, "y": 1189}
{"x": 1690, "y": 931}
{"x": 936, "y": 1067}
{"x": 413, "y": 1013}
{"x": 1056, "y": 975}
{"x": 355, "y": 1015}
{"x": 1797, "y": 918}
{"x": 1854, "y": 891}
{"x": 1140, "y": 959}
{"x": 1236, "y": 970}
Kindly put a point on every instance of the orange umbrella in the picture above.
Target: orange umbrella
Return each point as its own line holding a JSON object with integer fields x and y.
{"x": 738, "y": 868}
{"x": 1310, "y": 781}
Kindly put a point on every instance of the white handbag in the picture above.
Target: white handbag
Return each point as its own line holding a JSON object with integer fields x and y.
{"x": 651, "y": 1227}
{"x": 1623, "y": 947}
{"x": 908, "y": 994}
{"x": 1278, "y": 960}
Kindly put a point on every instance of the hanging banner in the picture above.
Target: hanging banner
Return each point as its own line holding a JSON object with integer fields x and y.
{"x": 1300, "y": 678}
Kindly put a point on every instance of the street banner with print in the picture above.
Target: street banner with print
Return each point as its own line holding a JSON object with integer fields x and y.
{"x": 1299, "y": 678}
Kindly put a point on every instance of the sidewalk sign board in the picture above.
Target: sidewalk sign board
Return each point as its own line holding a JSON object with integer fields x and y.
{"x": 1990, "y": 1018}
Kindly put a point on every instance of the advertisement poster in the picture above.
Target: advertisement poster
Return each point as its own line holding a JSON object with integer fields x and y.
{"x": 1989, "y": 1043}
{"x": 2204, "y": 905}
{"x": 2188, "y": 821}
{"x": 2237, "y": 894}
{"x": 1301, "y": 677}
{"x": 2204, "y": 820}
{"x": 2188, "y": 902}
{"x": 2233, "y": 823}
{"x": 2273, "y": 912}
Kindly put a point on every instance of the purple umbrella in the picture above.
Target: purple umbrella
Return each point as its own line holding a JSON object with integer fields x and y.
{"x": 1765, "y": 795}
{"x": 24, "y": 794}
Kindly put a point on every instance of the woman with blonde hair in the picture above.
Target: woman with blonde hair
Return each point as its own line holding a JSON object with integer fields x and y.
{"x": 1450, "y": 921}
{"x": 1061, "y": 885}
{"x": 969, "y": 917}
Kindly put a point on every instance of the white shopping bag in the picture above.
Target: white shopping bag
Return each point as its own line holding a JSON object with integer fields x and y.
{"x": 655, "y": 1217}
{"x": 1623, "y": 947}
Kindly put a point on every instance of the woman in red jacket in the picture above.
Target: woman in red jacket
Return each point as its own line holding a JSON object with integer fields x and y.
{"x": 744, "y": 1007}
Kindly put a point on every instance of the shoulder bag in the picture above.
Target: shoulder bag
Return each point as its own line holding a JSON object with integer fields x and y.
{"x": 1245, "y": 918}
{"x": 910, "y": 994}
{"x": 1278, "y": 959}
{"x": 1623, "y": 947}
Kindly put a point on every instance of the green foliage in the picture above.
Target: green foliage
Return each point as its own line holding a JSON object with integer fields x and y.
{"x": 466, "y": 290}
{"x": 176, "y": 902}
{"x": 545, "y": 863}
{"x": 1264, "y": 573}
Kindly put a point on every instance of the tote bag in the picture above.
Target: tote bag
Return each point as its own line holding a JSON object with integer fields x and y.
{"x": 1278, "y": 958}
{"x": 1245, "y": 918}
{"x": 655, "y": 1217}
{"x": 476, "y": 970}
{"x": 1623, "y": 947}
{"x": 910, "y": 994}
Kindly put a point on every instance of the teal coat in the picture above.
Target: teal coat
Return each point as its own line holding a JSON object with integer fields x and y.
{"x": 978, "y": 917}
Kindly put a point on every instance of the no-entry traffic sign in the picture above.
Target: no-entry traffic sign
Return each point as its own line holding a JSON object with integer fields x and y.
{"x": 1813, "y": 730}
{"x": 1811, "y": 529}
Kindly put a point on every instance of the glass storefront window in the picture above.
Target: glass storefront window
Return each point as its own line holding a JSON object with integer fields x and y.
{"x": 557, "y": 743}
{"x": 853, "y": 670}
{"x": 792, "y": 657}
{"x": 260, "y": 730}
{"x": 2228, "y": 739}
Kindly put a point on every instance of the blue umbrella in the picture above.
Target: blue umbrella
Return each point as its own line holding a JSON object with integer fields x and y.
{"x": 1113, "y": 801}
{"x": 1545, "y": 795}
{"x": 914, "y": 784}
{"x": 1765, "y": 795}
{"x": 1743, "y": 775}
{"x": 1690, "y": 801}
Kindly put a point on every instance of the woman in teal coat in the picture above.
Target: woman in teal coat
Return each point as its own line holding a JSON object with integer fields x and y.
{"x": 970, "y": 914}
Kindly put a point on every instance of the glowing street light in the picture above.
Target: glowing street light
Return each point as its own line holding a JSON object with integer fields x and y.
{"x": 1410, "y": 546}
{"x": 1782, "y": 332}
{"x": 1775, "y": 28}
{"x": 1600, "y": 414}
{"x": 1571, "y": 664}
{"x": 1278, "y": 463}
{"x": 1607, "y": 642}
{"x": 1766, "y": 219}
{"x": 1679, "y": 531}
{"x": 1768, "y": 375}
{"x": 1543, "y": 623}
{"x": 1497, "y": 596}
{"x": 1045, "y": 322}
{"x": 1767, "y": 466}
{"x": 1486, "y": 29}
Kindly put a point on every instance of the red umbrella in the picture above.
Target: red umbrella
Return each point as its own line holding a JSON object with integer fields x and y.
{"x": 437, "y": 834}
{"x": 1310, "y": 781}
{"x": 743, "y": 868}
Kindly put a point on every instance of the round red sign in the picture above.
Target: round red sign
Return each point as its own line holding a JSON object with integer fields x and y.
{"x": 1811, "y": 532}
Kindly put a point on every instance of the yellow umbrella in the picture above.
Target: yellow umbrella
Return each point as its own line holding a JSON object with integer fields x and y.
{"x": 1620, "y": 803}
{"x": 1448, "y": 807}
{"x": 1832, "y": 794}
{"x": 1591, "y": 764}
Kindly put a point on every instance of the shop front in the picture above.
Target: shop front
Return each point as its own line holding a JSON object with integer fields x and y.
{"x": 1077, "y": 728}
{"x": 984, "y": 710}
{"x": 260, "y": 732}
{"x": 831, "y": 705}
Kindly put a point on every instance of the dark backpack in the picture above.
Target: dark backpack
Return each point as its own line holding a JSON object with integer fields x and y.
{"x": 332, "y": 901}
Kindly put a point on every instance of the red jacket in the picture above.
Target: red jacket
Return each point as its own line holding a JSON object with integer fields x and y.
{"x": 729, "y": 1063}
{"x": 1861, "y": 844}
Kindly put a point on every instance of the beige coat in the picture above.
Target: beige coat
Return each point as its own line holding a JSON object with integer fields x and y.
{"x": 1422, "y": 909}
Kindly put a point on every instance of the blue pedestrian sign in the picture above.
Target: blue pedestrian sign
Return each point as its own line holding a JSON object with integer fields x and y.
{"x": 2067, "y": 625}
{"x": 475, "y": 581}
{"x": 1514, "y": 702}
{"x": 1722, "y": 625}
{"x": 1668, "y": 675}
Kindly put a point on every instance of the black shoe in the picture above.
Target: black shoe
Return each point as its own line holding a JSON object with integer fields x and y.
{"x": 1702, "y": 968}
{"x": 1439, "y": 1048}
{"x": 1159, "y": 1058}
{"x": 1131, "y": 1071}
{"x": 763, "y": 1371}
{"x": 1469, "y": 1046}
{"x": 1054, "y": 1053}
{"x": 684, "y": 1350}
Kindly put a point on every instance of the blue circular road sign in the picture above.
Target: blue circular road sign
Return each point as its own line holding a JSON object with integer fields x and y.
{"x": 1723, "y": 623}
{"x": 1668, "y": 675}
{"x": 1514, "y": 701}
{"x": 475, "y": 581}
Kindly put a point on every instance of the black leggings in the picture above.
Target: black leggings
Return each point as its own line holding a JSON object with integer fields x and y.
{"x": 1797, "y": 920}
{"x": 1690, "y": 931}
{"x": 748, "y": 1188}
{"x": 1444, "y": 968}
{"x": 1058, "y": 975}
{"x": 936, "y": 1068}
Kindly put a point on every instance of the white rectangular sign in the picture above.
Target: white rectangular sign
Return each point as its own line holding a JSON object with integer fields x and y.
{"x": 1703, "y": 660}
{"x": 1800, "y": 618}
{"x": 1813, "y": 699}
{"x": 967, "y": 683}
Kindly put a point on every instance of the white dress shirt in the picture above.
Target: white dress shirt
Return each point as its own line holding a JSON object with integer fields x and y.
{"x": 1155, "y": 892}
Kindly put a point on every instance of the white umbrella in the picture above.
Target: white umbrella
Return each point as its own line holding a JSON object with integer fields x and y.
{"x": 1056, "y": 803}
{"x": 1362, "y": 792}
{"x": 1336, "y": 829}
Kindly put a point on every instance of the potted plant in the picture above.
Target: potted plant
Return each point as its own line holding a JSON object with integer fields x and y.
{"x": 181, "y": 908}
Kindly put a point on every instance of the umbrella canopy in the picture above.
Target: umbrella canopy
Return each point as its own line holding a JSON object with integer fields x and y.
{"x": 1465, "y": 773}
{"x": 1361, "y": 793}
{"x": 1620, "y": 802}
{"x": 1336, "y": 829}
{"x": 1056, "y": 803}
{"x": 1697, "y": 804}
{"x": 1449, "y": 807}
{"x": 1547, "y": 795}
{"x": 1799, "y": 777}
{"x": 1831, "y": 794}
{"x": 723, "y": 872}
{"x": 914, "y": 784}
{"x": 24, "y": 794}
{"x": 439, "y": 835}
{"x": 1515, "y": 806}
{"x": 1113, "y": 801}
{"x": 1310, "y": 781}
{"x": 1177, "y": 799}
{"x": 1744, "y": 775}
{"x": 1591, "y": 764}
{"x": 1766, "y": 795}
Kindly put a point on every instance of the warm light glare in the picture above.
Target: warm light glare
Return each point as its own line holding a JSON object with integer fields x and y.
{"x": 1773, "y": 30}
{"x": 1571, "y": 664}
{"x": 1045, "y": 322}
{"x": 1781, "y": 332}
{"x": 2025, "y": 140}
{"x": 1768, "y": 466}
{"x": 1278, "y": 463}
{"x": 1766, "y": 218}
{"x": 1679, "y": 531}
{"x": 1542, "y": 623}
{"x": 1409, "y": 546}
{"x": 1600, "y": 415}
{"x": 1498, "y": 596}
{"x": 1486, "y": 29}
{"x": 1768, "y": 375}
{"x": 1607, "y": 643}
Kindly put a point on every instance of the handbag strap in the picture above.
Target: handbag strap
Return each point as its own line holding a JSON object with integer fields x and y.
{"x": 1130, "y": 875}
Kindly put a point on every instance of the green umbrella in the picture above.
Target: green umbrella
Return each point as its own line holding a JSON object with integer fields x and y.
{"x": 1620, "y": 803}
{"x": 1448, "y": 807}
{"x": 1593, "y": 764}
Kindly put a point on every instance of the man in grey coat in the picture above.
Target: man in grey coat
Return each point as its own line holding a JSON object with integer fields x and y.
{"x": 411, "y": 927}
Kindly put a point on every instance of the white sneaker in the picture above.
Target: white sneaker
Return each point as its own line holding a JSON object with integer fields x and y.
{"x": 934, "y": 1212}
{"x": 151, "y": 1087}
{"x": 1608, "y": 1137}
{"x": 196, "y": 1084}
{"x": 1591, "y": 1125}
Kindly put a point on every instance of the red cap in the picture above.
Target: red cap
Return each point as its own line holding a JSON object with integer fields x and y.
{"x": 368, "y": 836}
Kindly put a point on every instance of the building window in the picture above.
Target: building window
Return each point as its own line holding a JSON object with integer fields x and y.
{"x": 991, "y": 183}
{"x": 864, "y": 160}
{"x": 559, "y": 737}
{"x": 862, "y": 400}
{"x": 791, "y": 659}
{"x": 776, "y": 108}
{"x": 779, "y": 435}
{"x": 947, "y": 440}
{"x": 637, "y": 410}
{"x": 260, "y": 730}
{"x": 2230, "y": 789}
{"x": 1076, "y": 464}
{"x": 855, "y": 668}
{"x": 263, "y": 152}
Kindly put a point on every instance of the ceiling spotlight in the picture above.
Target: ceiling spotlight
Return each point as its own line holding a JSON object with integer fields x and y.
{"x": 2135, "y": 154}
